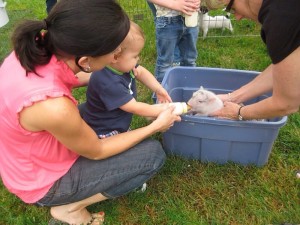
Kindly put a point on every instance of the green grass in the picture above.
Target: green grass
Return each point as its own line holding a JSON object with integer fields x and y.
{"x": 188, "y": 192}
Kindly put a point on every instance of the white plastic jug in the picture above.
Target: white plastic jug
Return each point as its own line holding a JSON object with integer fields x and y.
{"x": 3, "y": 15}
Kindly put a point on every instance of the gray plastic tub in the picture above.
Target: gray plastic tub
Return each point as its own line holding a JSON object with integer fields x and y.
{"x": 210, "y": 139}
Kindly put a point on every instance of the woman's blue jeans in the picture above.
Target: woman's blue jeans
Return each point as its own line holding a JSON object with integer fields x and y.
{"x": 112, "y": 177}
{"x": 171, "y": 33}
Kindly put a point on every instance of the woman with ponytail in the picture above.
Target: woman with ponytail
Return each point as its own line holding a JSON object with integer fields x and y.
{"x": 48, "y": 155}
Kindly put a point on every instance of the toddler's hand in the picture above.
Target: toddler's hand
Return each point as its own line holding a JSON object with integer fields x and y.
{"x": 166, "y": 119}
{"x": 162, "y": 95}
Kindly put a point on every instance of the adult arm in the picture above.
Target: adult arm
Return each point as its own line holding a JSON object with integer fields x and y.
{"x": 83, "y": 79}
{"x": 184, "y": 6}
{"x": 263, "y": 83}
{"x": 61, "y": 118}
{"x": 285, "y": 79}
{"x": 147, "y": 78}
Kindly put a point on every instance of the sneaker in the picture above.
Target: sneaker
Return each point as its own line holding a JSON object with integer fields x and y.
{"x": 142, "y": 188}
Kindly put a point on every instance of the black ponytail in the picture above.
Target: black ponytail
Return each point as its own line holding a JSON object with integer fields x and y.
{"x": 30, "y": 44}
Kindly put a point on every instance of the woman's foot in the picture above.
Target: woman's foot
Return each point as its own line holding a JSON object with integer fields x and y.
{"x": 61, "y": 217}
{"x": 97, "y": 219}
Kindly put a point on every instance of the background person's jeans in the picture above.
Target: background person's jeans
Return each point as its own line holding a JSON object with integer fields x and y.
{"x": 171, "y": 32}
{"x": 112, "y": 177}
{"x": 176, "y": 52}
{"x": 50, "y": 4}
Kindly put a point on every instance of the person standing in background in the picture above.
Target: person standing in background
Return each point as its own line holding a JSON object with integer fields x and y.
{"x": 183, "y": 6}
{"x": 172, "y": 33}
{"x": 152, "y": 8}
{"x": 50, "y": 4}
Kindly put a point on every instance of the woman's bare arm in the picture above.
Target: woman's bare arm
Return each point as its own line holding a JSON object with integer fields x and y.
{"x": 61, "y": 118}
{"x": 283, "y": 78}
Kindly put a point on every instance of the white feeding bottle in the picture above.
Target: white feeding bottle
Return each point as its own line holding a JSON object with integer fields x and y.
{"x": 180, "y": 108}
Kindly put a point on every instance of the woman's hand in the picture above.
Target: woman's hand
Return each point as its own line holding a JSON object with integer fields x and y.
{"x": 229, "y": 111}
{"x": 225, "y": 97}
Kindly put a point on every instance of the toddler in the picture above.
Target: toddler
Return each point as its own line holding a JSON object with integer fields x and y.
{"x": 111, "y": 94}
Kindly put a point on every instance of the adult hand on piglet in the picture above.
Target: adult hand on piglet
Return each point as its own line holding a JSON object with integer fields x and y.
{"x": 166, "y": 119}
{"x": 225, "y": 97}
{"x": 229, "y": 111}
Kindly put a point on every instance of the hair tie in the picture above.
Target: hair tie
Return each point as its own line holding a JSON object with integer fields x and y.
{"x": 40, "y": 36}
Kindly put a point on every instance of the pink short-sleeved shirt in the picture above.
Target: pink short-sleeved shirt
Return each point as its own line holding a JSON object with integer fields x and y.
{"x": 30, "y": 162}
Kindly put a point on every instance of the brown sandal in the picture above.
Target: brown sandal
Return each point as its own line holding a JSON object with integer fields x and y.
{"x": 99, "y": 217}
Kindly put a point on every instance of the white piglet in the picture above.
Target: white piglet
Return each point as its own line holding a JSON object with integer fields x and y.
{"x": 204, "y": 102}
{"x": 207, "y": 22}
